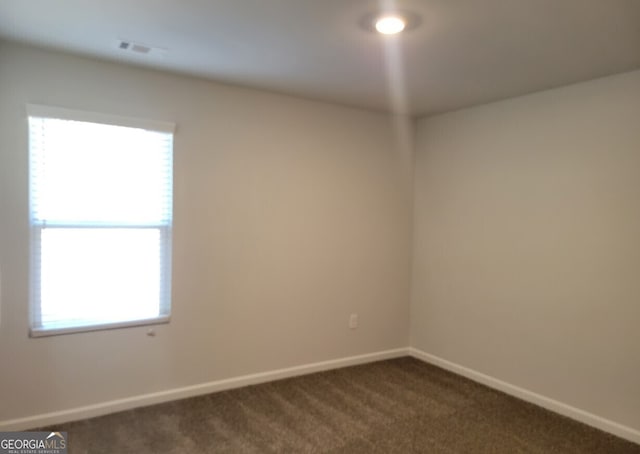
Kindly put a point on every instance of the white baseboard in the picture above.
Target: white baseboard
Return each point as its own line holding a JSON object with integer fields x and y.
{"x": 103, "y": 408}
{"x": 585, "y": 417}
{"x": 113, "y": 406}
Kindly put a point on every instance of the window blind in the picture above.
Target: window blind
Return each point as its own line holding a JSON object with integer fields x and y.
{"x": 101, "y": 219}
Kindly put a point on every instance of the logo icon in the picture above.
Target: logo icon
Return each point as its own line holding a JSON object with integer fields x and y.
{"x": 56, "y": 434}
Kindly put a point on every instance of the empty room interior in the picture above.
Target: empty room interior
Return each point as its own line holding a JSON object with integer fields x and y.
{"x": 355, "y": 226}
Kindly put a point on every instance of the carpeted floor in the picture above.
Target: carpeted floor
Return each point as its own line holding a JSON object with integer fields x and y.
{"x": 396, "y": 406}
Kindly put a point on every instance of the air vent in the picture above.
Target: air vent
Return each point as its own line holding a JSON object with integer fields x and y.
{"x": 140, "y": 49}
{"x": 131, "y": 47}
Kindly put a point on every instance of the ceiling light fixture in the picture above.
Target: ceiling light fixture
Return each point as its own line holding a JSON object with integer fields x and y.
{"x": 390, "y": 22}
{"x": 390, "y": 25}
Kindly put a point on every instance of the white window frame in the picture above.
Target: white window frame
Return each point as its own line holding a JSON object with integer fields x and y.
{"x": 165, "y": 229}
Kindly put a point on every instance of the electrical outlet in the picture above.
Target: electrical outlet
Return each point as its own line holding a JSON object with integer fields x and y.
{"x": 353, "y": 321}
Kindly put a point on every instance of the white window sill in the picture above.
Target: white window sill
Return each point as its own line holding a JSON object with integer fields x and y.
{"x": 45, "y": 332}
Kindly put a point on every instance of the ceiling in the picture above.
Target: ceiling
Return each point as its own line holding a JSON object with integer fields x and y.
{"x": 465, "y": 52}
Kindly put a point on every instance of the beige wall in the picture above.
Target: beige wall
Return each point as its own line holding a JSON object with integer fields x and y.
{"x": 527, "y": 251}
{"x": 289, "y": 215}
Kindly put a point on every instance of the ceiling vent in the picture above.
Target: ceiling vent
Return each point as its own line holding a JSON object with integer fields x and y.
{"x": 132, "y": 47}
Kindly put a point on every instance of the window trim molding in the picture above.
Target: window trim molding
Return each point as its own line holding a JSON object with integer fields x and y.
{"x": 166, "y": 230}
{"x": 44, "y": 332}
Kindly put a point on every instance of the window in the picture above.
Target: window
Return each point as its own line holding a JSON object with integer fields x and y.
{"x": 101, "y": 218}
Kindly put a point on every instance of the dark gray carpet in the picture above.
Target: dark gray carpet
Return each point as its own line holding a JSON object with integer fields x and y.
{"x": 396, "y": 406}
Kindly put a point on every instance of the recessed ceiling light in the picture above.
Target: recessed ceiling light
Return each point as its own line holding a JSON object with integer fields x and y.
{"x": 390, "y": 22}
{"x": 390, "y": 25}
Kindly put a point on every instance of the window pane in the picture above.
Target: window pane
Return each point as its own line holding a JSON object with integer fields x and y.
{"x": 94, "y": 276}
{"x": 101, "y": 214}
{"x": 87, "y": 173}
